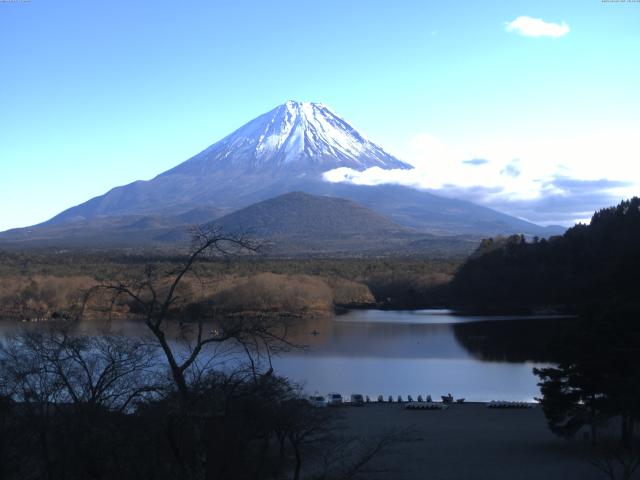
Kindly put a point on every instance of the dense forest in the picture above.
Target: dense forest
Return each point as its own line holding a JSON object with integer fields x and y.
{"x": 590, "y": 264}
{"x": 593, "y": 271}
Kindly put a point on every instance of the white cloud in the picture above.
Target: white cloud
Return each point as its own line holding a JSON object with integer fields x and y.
{"x": 536, "y": 27}
{"x": 547, "y": 181}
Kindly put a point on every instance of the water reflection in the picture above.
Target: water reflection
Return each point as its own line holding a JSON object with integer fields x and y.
{"x": 432, "y": 334}
{"x": 399, "y": 353}
{"x": 423, "y": 352}
{"x": 379, "y": 339}
{"x": 523, "y": 340}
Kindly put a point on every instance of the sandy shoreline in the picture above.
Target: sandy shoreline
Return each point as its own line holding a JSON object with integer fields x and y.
{"x": 471, "y": 441}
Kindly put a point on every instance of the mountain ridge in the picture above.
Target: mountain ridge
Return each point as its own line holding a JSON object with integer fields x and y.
{"x": 303, "y": 136}
{"x": 271, "y": 152}
{"x": 284, "y": 150}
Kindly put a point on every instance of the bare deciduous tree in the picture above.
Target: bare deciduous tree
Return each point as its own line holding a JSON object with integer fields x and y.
{"x": 350, "y": 457}
{"x": 57, "y": 367}
{"x": 156, "y": 299}
{"x": 57, "y": 380}
{"x": 615, "y": 460}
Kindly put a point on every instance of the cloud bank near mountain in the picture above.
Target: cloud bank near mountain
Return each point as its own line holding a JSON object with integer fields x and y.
{"x": 556, "y": 181}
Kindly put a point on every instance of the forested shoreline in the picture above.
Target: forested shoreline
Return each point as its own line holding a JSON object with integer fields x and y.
{"x": 591, "y": 264}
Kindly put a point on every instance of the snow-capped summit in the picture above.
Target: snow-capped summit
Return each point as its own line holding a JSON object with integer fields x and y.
{"x": 282, "y": 151}
{"x": 301, "y": 137}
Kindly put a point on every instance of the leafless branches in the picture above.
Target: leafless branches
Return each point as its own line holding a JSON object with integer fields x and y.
{"x": 155, "y": 298}
{"x": 351, "y": 457}
{"x": 615, "y": 460}
{"x": 55, "y": 367}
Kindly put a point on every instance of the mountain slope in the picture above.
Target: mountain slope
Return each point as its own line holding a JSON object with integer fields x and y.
{"x": 427, "y": 212}
{"x": 297, "y": 223}
{"x": 293, "y": 224}
{"x": 284, "y": 150}
{"x": 304, "y": 138}
{"x": 272, "y": 154}
{"x": 107, "y": 231}
{"x": 302, "y": 215}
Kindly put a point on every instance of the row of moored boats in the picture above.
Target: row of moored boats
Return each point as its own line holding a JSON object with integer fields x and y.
{"x": 421, "y": 403}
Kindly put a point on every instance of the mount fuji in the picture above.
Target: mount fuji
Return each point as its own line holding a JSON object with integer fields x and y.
{"x": 284, "y": 150}
{"x": 300, "y": 138}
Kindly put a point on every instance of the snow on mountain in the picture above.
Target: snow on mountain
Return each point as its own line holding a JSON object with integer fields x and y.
{"x": 301, "y": 137}
{"x": 285, "y": 150}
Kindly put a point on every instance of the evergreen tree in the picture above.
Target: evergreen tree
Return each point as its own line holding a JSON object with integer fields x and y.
{"x": 598, "y": 377}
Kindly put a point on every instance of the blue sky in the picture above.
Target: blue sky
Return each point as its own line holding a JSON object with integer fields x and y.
{"x": 98, "y": 94}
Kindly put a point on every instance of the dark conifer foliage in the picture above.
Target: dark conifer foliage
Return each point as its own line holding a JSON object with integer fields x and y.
{"x": 593, "y": 271}
{"x": 592, "y": 263}
{"x": 598, "y": 377}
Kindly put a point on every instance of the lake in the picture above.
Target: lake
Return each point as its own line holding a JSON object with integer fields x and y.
{"x": 425, "y": 352}
{"x": 422, "y": 352}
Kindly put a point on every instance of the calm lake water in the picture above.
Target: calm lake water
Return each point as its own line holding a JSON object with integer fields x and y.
{"x": 423, "y": 352}
{"x": 426, "y": 352}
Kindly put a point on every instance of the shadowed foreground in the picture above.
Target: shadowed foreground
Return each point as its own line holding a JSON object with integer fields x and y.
{"x": 471, "y": 441}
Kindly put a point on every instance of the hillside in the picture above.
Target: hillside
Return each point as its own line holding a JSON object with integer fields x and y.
{"x": 299, "y": 214}
{"x": 106, "y": 231}
{"x": 298, "y": 223}
{"x": 599, "y": 263}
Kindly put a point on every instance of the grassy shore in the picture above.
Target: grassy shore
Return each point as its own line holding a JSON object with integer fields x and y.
{"x": 471, "y": 441}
